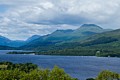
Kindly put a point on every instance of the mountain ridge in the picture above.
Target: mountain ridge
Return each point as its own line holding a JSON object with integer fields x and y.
{"x": 60, "y": 36}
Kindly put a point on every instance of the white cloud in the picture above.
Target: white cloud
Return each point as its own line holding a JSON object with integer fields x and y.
{"x": 27, "y": 17}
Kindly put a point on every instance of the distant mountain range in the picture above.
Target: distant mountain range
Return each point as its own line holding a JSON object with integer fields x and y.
{"x": 33, "y": 38}
{"x": 56, "y": 38}
{"x": 7, "y": 48}
{"x": 16, "y": 43}
{"x": 63, "y": 36}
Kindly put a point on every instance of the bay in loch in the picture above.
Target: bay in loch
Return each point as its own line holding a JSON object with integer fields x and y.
{"x": 77, "y": 66}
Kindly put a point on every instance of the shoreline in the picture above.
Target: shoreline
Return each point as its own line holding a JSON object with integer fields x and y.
{"x": 35, "y": 53}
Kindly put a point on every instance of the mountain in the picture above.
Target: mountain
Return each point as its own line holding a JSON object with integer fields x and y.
{"x": 62, "y": 32}
{"x": 82, "y": 32}
{"x": 106, "y": 40}
{"x": 4, "y": 40}
{"x": 62, "y": 36}
{"x": 15, "y": 43}
{"x": 7, "y": 42}
{"x": 111, "y": 37}
{"x": 106, "y": 44}
{"x": 6, "y": 48}
{"x": 90, "y": 28}
{"x": 59, "y": 37}
{"x": 33, "y": 38}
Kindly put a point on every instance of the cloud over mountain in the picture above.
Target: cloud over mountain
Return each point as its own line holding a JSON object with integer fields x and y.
{"x": 20, "y": 19}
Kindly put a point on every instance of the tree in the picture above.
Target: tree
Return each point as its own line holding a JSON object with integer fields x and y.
{"x": 59, "y": 74}
{"x": 107, "y": 75}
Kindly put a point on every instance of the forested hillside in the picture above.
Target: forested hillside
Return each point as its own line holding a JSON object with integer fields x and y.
{"x": 64, "y": 36}
{"x": 103, "y": 44}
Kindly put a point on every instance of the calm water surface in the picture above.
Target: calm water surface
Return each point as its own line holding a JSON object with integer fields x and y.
{"x": 76, "y": 66}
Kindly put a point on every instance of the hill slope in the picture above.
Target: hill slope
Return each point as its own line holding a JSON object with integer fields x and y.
{"x": 6, "y": 48}
{"x": 15, "y": 43}
{"x": 63, "y": 36}
{"x": 105, "y": 44}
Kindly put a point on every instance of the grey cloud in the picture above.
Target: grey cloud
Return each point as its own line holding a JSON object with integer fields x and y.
{"x": 25, "y": 18}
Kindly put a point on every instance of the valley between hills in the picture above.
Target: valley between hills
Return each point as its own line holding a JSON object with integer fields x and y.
{"x": 88, "y": 40}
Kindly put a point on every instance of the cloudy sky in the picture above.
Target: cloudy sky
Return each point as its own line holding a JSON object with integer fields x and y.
{"x": 20, "y": 19}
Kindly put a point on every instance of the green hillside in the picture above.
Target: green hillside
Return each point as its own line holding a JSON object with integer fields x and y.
{"x": 64, "y": 36}
{"x": 99, "y": 44}
{"x": 103, "y": 44}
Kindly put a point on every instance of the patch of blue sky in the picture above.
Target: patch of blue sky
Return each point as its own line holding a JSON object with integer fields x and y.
{"x": 3, "y": 8}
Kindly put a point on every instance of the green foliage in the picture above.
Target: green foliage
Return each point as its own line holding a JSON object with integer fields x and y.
{"x": 29, "y": 71}
{"x": 15, "y": 74}
{"x": 80, "y": 51}
{"x": 59, "y": 74}
{"x": 70, "y": 52}
{"x": 27, "y": 67}
{"x": 55, "y": 74}
{"x": 108, "y": 75}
